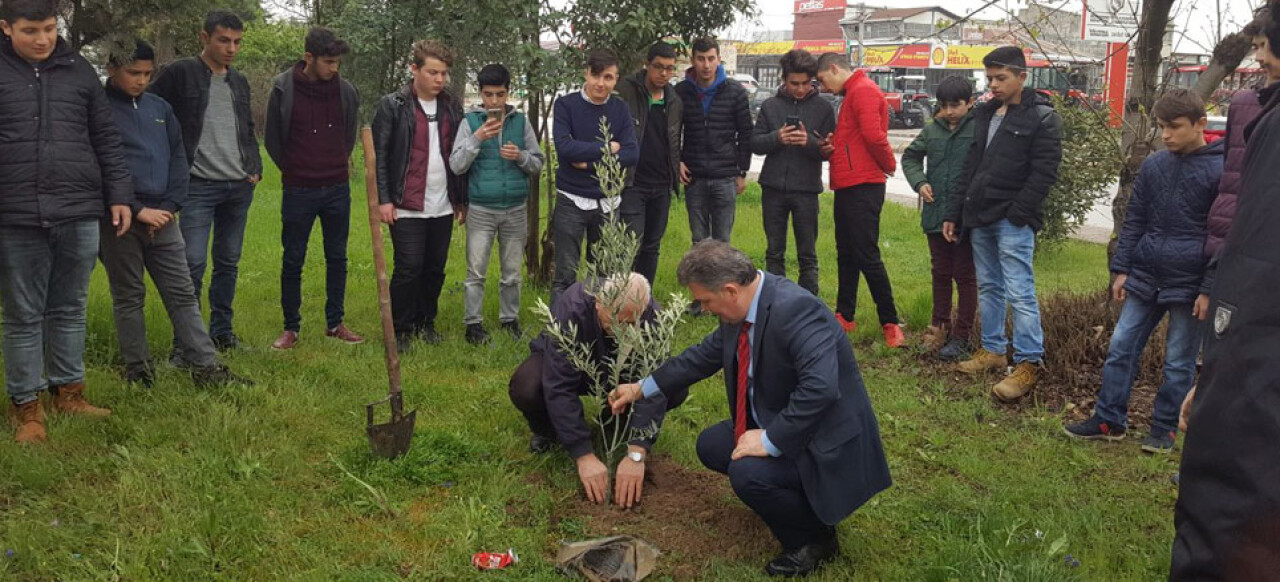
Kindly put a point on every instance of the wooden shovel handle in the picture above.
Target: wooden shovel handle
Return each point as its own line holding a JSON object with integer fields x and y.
{"x": 380, "y": 265}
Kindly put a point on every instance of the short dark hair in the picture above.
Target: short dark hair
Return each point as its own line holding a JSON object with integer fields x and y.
{"x": 1006, "y": 57}
{"x": 493, "y": 75}
{"x": 662, "y": 49}
{"x": 954, "y": 88}
{"x": 322, "y": 42}
{"x": 1179, "y": 102}
{"x": 799, "y": 61}
{"x": 600, "y": 60}
{"x": 222, "y": 18}
{"x": 705, "y": 44}
{"x": 825, "y": 60}
{"x": 34, "y": 10}
{"x": 120, "y": 55}
{"x": 712, "y": 263}
{"x": 430, "y": 48}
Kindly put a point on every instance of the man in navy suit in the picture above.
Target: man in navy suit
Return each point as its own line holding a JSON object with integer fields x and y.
{"x": 802, "y": 447}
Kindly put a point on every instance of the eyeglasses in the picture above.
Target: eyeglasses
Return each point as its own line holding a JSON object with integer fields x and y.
{"x": 666, "y": 69}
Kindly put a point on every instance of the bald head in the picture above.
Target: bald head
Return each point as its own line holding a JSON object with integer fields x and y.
{"x": 621, "y": 299}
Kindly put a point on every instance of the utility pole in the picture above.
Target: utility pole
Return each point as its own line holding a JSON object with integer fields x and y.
{"x": 862, "y": 29}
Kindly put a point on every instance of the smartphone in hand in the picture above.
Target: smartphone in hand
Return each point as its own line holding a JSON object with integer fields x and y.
{"x": 793, "y": 121}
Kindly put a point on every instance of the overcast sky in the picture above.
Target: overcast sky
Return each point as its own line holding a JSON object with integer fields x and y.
{"x": 1196, "y": 20}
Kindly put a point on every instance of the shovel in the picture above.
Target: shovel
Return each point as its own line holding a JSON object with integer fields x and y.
{"x": 391, "y": 439}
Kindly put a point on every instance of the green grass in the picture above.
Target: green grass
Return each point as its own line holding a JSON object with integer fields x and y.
{"x": 275, "y": 482}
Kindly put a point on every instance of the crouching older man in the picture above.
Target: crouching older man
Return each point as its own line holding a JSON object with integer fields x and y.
{"x": 802, "y": 446}
{"x": 547, "y": 388}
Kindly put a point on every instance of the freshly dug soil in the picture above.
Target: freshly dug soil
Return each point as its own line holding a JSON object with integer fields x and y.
{"x": 691, "y": 515}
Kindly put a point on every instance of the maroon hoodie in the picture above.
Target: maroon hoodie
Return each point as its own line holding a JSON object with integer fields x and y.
{"x": 316, "y": 149}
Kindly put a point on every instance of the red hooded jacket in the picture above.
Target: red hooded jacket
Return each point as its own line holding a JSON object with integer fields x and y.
{"x": 862, "y": 154}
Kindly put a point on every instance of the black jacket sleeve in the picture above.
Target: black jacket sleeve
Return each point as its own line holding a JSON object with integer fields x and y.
{"x": 117, "y": 183}
{"x": 382, "y": 136}
{"x": 1045, "y": 157}
{"x": 273, "y": 137}
{"x": 742, "y": 119}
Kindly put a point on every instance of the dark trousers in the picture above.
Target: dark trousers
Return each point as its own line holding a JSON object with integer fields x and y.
{"x": 163, "y": 255}
{"x": 770, "y": 486}
{"x": 645, "y": 212}
{"x": 953, "y": 263}
{"x": 525, "y": 390}
{"x": 571, "y": 225}
{"x": 421, "y": 250}
{"x": 857, "y": 214}
{"x": 802, "y": 208}
{"x": 219, "y": 211}
{"x": 299, "y": 211}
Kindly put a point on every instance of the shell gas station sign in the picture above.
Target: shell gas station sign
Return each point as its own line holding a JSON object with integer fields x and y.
{"x": 957, "y": 56}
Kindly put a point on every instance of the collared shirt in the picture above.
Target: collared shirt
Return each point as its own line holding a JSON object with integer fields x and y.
{"x": 649, "y": 386}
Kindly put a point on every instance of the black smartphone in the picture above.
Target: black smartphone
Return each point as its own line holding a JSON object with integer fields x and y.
{"x": 793, "y": 121}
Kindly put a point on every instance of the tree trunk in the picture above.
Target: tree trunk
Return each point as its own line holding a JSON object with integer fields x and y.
{"x": 534, "y": 208}
{"x": 1137, "y": 117}
{"x": 1226, "y": 58}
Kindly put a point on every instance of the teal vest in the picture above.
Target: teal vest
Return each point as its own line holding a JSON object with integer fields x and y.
{"x": 493, "y": 182}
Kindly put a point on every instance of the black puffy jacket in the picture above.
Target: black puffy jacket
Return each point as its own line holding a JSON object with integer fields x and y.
{"x": 394, "y": 124}
{"x": 60, "y": 154}
{"x": 717, "y": 142}
{"x": 185, "y": 85}
{"x": 1161, "y": 244}
{"x": 1011, "y": 177}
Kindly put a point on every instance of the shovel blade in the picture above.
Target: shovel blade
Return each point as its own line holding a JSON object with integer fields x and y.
{"x": 392, "y": 439}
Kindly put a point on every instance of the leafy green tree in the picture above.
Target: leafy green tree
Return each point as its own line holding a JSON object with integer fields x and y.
{"x": 1091, "y": 160}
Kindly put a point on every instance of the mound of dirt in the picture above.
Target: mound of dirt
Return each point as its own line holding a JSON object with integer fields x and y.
{"x": 691, "y": 515}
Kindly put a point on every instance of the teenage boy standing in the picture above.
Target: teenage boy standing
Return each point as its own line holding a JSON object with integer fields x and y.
{"x": 581, "y": 207}
{"x": 945, "y": 144}
{"x": 861, "y": 160}
{"x": 153, "y": 150}
{"x": 717, "y": 143}
{"x": 312, "y": 117}
{"x": 211, "y": 101}
{"x": 659, "y": 118}
{"x": 63, "y": 170}
{"x": 497, "y": 149}
{"x": 413, "y": 132}
{"x": 1159, "y": 268}
{"x": 792, "y": 175}
{"x": 1011, "y": 167}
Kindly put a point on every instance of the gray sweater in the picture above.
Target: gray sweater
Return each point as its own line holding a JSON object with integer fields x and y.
{"x": 792, "y": 168}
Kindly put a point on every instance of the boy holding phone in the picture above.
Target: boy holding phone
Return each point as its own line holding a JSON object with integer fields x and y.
{"x": 497, "y": 150}
{"x": 792, "y": 175}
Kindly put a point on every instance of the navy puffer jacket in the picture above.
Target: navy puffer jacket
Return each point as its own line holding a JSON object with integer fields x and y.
{"x": 1161, "y": 245}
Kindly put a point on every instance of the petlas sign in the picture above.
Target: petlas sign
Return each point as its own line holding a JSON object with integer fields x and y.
{"x": 806, "y": 6}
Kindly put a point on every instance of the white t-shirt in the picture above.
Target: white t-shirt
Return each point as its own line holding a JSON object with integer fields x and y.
{"x": 436, "y": 202}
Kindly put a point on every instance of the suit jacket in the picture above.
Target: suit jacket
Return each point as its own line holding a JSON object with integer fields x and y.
{"x": 809, "y": 395}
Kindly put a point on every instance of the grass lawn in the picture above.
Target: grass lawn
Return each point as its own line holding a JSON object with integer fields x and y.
{"x": 275, "y": 481}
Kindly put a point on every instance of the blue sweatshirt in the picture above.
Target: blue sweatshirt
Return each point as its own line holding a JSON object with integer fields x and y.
{"x": 577, "y": 137}
{"x": 153, "y": 149}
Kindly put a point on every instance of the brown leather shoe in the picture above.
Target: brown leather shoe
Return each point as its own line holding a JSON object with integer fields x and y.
{"x": 286, "y": 341}
{"x": 30, "y": 420}
{"x": 343, "y": 333}
{"x": 1017, "y": 384}
{"x": 69, "y": 398}
{"x": 983, "y": 361}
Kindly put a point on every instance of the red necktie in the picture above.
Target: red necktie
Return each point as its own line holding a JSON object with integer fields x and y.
{"x": 744, "y": 360}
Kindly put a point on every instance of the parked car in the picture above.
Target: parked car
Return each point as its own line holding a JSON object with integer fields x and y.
{"x": 1216, "y": 129}
{"x": 749, "y": 83}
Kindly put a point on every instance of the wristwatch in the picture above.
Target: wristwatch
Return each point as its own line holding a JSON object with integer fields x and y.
{"x": 636, "y": 456}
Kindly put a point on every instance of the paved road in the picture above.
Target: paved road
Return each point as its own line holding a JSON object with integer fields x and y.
{"x": 1096, "y": 228}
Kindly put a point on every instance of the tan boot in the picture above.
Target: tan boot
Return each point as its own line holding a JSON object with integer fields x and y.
{"x": 69, "y": 398}
{"x": 933, "y": 338}
{"x": 983, "y": 361}
{"x": 30, "y": 420}
{"x": 1017, "y": 384}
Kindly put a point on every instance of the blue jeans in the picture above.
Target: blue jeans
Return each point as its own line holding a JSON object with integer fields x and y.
{"x": 712, "y": 203}
{"x": 1138, "y": 318}
{"x": 299, "y": 210}
{"x": 220, "y": 209}
{"x": 1002, "y": 259}
{"x": 44, "y": 292}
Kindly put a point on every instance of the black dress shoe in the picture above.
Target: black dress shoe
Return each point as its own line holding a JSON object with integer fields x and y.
{"x": 805, "y": 559}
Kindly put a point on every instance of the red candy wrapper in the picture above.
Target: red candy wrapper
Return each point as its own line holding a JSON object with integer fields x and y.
{"x": 493, "y": 560}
